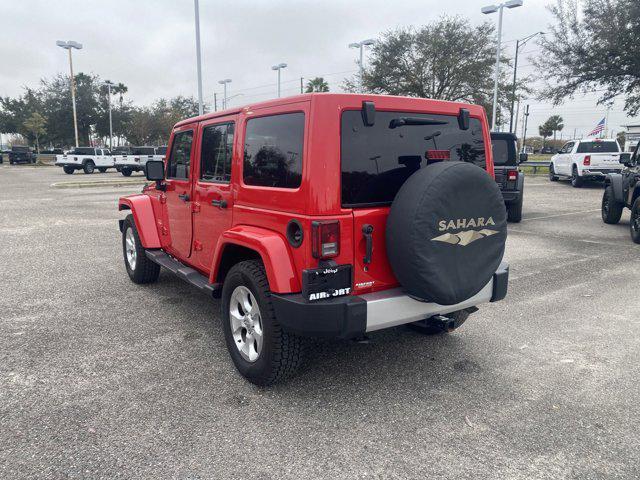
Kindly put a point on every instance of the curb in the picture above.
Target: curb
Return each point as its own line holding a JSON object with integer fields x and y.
{"x": 97, "y": 184}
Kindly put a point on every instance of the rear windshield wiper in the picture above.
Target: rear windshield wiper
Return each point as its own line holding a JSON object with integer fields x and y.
{"x": 402, "y": 121}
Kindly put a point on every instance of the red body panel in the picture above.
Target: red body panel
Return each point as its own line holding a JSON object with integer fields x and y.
{"x": 257, "y": 217}
{"x": 143, "y": 214}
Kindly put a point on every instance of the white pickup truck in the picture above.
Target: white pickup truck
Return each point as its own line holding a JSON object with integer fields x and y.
{"x": 87, "y": 159}
{"x": 134, "y": 159}
{"x": 589, "y": 159}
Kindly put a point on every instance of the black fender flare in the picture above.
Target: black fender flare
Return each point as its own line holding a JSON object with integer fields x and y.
{"x": 520, "y": 182}
{"x": 615, "y": 180}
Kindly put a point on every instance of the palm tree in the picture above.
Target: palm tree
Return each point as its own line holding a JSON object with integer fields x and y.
{"x": 317, "y": 85}
{"x": 555, "y": 124}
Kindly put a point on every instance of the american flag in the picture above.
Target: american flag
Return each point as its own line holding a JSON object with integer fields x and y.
{"x": 599, "y": 128}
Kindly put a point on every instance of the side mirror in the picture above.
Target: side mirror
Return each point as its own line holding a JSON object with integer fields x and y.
{"x": 523, "y": 157}
{"x": 625, "y": 159}
{"x": 154, "y": 170}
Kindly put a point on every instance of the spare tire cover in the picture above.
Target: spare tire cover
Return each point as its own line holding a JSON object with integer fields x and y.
{"x": 446, "y": 232}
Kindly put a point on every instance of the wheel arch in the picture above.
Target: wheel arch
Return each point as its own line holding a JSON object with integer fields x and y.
{"x": 246, "y": 242}
{"x": 615, "y": 180}
{"x": 144, "y": 218}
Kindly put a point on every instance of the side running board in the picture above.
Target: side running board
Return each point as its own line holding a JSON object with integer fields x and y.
{"x": 185, "y": 273}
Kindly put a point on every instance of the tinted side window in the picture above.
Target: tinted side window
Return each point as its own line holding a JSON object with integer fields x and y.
{"x": 217, "y": 150}
{"x": 273, "y": 151}
{"x": 179, "y": 162}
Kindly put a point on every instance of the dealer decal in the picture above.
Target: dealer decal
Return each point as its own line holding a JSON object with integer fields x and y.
{"x": 334, "y": 293}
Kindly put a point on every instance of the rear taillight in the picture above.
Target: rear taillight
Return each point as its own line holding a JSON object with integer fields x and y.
{"x": 438, "y": 154}
{"x": 325, "y": 239}
{"x": 587, "y": 160}
{"x": 512, "y": 175}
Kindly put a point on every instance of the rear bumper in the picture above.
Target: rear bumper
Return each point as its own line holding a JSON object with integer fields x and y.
{"x": 511, "y": 196}
{"x": 598, "y": 172}
{"x": 353, "y": 316}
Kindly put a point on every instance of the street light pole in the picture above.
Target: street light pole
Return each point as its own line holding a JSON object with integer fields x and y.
{"x": 108, "y": 84}
{"x": 224, "y": 97}
{"x": 278, "y": 68}
{"x": 519, "y": 43}
{"x": 198, "y": 58}
{"x": 488, "y": 10}
{"x": 361, "y": 45}
{"x": 68, "y": 46}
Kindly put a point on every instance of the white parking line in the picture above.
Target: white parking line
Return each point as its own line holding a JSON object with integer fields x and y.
{"x": 561, "y": 215}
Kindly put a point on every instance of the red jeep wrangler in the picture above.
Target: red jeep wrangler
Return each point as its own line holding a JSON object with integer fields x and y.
{"x": 324, "y": 215}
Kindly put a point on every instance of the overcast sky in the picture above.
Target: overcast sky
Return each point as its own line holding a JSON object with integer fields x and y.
{"x": 150, "y": 45}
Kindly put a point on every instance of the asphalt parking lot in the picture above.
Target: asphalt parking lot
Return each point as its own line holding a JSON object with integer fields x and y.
{"x": 101, "y": 378}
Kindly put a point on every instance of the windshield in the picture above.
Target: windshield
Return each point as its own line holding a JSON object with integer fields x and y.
{"x": 598, "y": 147}
{"x": 83, "y": 151}
{"x": 504, "y": 152}
{"x": 377, "y": 160}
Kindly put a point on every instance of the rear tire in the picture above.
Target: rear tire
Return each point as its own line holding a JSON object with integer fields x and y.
{"x": 139, "y": 267}
{"x": 126, "y": 172}
{"x": 514, "y": 210}
{"x": 68, "y": 170}
{"x": 260, "y": 349}
{"x": 634, "y": 222}
{"x": 552, "y": 173}
{"x": 576, "y": 180}
{"x": 611, "y": 210}
{"x": 428, "y": 328}
{"x": 89, "y": 167}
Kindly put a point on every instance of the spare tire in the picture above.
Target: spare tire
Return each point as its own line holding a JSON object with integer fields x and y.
{"x": 446, "y": 232}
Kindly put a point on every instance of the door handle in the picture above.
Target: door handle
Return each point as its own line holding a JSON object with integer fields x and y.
{"x": 184, "y": 197}
{"x": 219, "y": 203}
{"x": 367, "y": 233}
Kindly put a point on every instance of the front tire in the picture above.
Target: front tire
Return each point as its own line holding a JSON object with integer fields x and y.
{"x": 634, "y": 222}
{"x": 140, "y": 268}
{"x": 68, "y": 170}
{"x": 611, "y": 210}
{"x": 89, "y": 167}
{"x": 576, "y": 180}
{"x": 552, "y": 173}
{"x": 126, "y": 172}
{"x": 260, "y": 349}
{"x": 102, "y": 169}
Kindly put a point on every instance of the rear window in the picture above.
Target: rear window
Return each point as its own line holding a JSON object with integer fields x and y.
{"x": 504, "y": 152}
{"x": 598, "y": 147}
{"x": 273, "y": 151}
{"x": 377, "y": 160}
{"x": 144, "y": 151}
{"x": 83, "y": 151}
{"x": 19, "y": 149}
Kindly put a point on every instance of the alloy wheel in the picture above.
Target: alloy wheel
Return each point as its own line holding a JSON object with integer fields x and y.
{"x": 246, "y": 323}
{"x": 130, "y": 248}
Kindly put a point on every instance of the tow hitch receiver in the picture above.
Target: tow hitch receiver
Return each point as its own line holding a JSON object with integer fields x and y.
{"x": 444, "y": 323}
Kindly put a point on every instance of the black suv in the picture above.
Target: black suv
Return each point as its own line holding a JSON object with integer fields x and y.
{"x": 21, "y": 155}
{"x": 623, "y": 190}
{"x": 505, "y": 166}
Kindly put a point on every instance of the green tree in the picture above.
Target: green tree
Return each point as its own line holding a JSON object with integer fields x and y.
{"x": 35, "y": 126}
{"x": 592, "y": 47}
{"x": 545, "y": 131}
{"x": 317, "y": 84}
{"x": 555, "y": 123}
{"x": 449, "y": 59}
